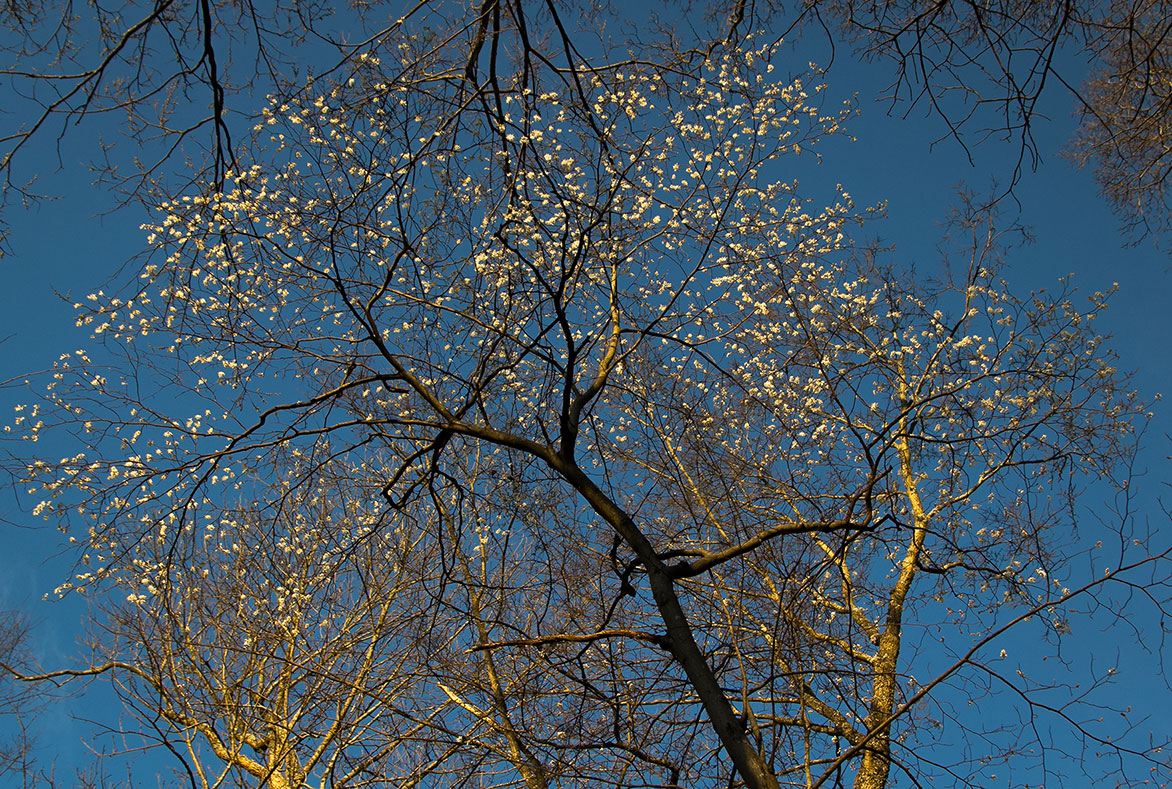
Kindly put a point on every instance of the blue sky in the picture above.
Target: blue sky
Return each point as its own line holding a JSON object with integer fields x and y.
{"x": 64, "y": 248}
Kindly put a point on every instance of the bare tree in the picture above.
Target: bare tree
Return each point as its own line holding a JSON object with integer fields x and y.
{"x": 1126, "y": 115}
{"x": 28, "y": 758}
{"x": 965, "y": 59}
{"x": 986, "y": 69}
{"x": 605, "y": 457}
{"x": 17, "y": 703}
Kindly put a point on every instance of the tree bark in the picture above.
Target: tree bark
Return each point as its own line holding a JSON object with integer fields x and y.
{"x": 749, "y": 762}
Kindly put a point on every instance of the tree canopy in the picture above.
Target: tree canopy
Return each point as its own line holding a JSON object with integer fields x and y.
{"x": 187, "y": 79}
{"x": 499, "y": 410}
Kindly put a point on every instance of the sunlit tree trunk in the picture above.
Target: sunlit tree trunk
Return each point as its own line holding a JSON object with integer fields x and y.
{"x": 876, "y": 763}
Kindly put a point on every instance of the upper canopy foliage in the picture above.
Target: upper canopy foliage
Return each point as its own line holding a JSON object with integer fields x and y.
{"x": 186, "y": 79}
{"x": 502, "y": 413}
